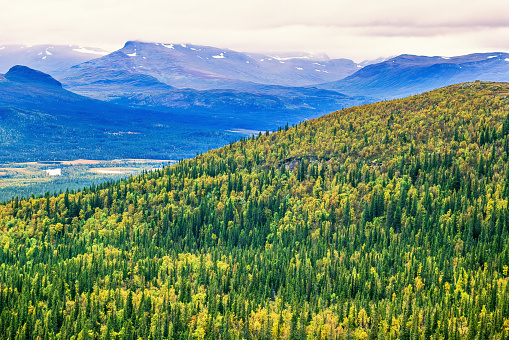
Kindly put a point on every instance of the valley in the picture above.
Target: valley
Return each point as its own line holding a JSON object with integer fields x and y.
{"x": 37, "y": 178}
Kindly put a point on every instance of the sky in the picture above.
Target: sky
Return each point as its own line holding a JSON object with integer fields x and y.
{"x": 354, "y": 29}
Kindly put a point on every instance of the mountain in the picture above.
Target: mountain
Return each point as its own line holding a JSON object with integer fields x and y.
{"x": 406, "y": 74}
{"x": 156, "y": 75}
{"x": 110, "y": 77}
{"x": 387, "y": 220}
{"x": 40, "y": 120}
{"x": 23, "y": 74}
{"x": 205, "y": 67}
{"x": 141, "y": 68}
{"x": 52, "y": 59}
{"x": 151, "y": 75}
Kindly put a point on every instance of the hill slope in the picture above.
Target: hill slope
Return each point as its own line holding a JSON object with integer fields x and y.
{"x": 387, "y": 220}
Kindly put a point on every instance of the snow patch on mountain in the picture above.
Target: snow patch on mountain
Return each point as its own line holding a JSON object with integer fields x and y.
{"x": 220, "y": 56}
{"x": 290, "y": 58}
{"x": 132, "y": 54}
{"x": 170, "y": 46}
{"x": 379, "y": 60}
{"x": 85, "y": 50}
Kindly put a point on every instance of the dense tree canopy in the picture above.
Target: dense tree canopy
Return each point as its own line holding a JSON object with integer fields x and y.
{"x": 383, "y": 221}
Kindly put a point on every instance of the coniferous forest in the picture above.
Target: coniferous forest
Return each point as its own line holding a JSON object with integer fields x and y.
{"x": 383, "y": 221}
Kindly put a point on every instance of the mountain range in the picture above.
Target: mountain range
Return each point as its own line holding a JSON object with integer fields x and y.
{"x": 139, "y": 66}
{"x": 202, "y": 77}
{"x": 204, "y": 96}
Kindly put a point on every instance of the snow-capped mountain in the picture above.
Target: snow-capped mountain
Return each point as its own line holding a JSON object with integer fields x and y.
{"x": 169, "y": 76}
{"x": 205, "y": 67}
{"x": 51, "y": 59}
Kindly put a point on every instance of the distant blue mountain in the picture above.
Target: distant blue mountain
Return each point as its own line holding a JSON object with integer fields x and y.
{"x": 409, "y": 74}
{"x": 23, "y": 74}
{"x": 40, "y": 120}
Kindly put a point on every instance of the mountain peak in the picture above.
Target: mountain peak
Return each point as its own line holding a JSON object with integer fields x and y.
{"x": 24, "y": 74}
{"x": 130, "y": 42}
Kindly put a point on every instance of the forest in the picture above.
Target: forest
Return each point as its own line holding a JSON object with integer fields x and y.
{"x": 382, "y": 221}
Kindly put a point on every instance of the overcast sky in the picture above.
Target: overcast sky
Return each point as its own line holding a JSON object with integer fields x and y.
{"x": 355, "y": 29}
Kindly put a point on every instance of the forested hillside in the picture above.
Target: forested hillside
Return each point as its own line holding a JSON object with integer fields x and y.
{"x": 383, "y": 221}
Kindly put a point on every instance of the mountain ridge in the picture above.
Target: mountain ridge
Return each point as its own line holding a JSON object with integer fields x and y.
{"x": 206, "y": 67}
{"x": 406, "y": 74}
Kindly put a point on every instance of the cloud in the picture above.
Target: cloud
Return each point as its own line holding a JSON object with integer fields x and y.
{"x": 345, "y": 28}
